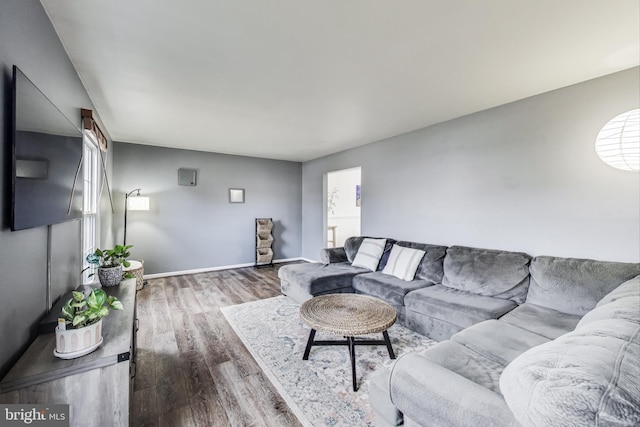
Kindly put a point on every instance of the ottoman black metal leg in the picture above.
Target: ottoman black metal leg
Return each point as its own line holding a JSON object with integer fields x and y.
{"x": 312, "y": 334}
{"x": 387, "y": 341}
{"x": 352, "y": 355}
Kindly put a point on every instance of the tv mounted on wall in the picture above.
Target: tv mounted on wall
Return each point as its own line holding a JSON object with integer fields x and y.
{"x": 47, "y": 160}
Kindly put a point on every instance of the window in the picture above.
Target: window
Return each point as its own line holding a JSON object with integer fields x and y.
{"x": 90, "y": 189}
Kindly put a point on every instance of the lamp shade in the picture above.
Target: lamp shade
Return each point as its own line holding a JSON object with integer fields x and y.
{"x": 138, "y": 203}
{"x": 618, "y": 142}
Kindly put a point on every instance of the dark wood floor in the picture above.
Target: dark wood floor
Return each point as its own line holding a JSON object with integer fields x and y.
{"x": 192, "y": 369}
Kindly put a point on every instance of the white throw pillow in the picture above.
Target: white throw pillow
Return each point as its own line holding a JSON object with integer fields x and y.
{"x": 369, "y": 254}
{"x": 403, "y": 262}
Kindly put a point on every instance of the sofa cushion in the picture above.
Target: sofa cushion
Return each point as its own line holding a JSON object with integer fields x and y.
{"x": 403, "y": 262}
{"x": 428, "y": 393}
{"x": 630, "y": 288}
{"x": 624, "y": 308}
{"x": 369, "y": 254}
{"x": 586, "y": 377}
{"x": 541, "y": 320}
{"x": 333, "y": 255}
{"x": 388, "y": 288}
{"x": 467, "y": 363}
{"x": 351, "y": 246}
{"x": 497, "y": 340}
{"x": 574, "y": 286}
{"x": 455, "y": 306}
{"x": 436, "y": 329}
{"x": 621, "y": 303}
{"x": 380, "y": 399}
{"x": 430, "y": 267}
{"x": 318, "y": 278}
{"x": 487, "y": 272}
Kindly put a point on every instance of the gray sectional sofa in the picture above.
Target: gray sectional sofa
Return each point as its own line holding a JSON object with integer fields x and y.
{"x": 523, "y": 341}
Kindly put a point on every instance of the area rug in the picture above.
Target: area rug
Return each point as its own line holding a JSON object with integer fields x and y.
{"x": 318, "y": 390}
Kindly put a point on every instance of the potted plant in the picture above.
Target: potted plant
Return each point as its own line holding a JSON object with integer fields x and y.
{"x": 79, "y": 330}
{"x": 109, "y": 263}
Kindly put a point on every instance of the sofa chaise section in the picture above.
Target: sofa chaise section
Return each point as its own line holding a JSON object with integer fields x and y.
{"x": 334, "y": 274}
{"x": 301, "y": 282}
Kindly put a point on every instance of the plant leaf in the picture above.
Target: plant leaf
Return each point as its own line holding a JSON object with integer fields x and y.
{"x": 78, "y": 304}
{"x": 79, "y": 320}
{"x": 114, "y": 303}
{"x": 67, "y": 311}
{"x": 92, "y": 301}
{"x": 78, "y": 296}
{"x": 101, "y": 297}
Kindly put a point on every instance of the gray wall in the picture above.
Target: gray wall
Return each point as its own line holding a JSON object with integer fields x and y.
{"x": 28, "y": 40}
{"x": 523, "y": 176}
{"x": 191, "y": 228}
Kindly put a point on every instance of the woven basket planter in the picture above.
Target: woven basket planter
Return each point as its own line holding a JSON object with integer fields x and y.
{"x": 137, "y": 269}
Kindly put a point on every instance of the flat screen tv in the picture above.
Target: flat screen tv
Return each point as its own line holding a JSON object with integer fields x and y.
{"x": 47, "y": 160}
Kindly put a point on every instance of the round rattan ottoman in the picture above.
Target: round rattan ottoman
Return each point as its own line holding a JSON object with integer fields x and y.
{"x": 348, "y": 315}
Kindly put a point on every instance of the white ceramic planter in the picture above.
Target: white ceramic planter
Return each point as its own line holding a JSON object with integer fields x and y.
{"x": 72, "y": 343}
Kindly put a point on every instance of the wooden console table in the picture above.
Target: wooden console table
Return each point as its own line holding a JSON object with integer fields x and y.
{"x": 98, "y": 387}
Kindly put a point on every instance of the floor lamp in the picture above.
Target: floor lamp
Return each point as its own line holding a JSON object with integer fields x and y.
{"x": 135, "y": 203}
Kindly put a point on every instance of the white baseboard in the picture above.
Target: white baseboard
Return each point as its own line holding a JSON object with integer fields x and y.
{"x": 222, "y": 267}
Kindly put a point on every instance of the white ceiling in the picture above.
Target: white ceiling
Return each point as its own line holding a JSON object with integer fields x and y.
{"x": 300, "y": 79}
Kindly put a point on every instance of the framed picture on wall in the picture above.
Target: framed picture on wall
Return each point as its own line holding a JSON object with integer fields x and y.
{"x": 358, "y": 194}
{"x": 236, "y": 195}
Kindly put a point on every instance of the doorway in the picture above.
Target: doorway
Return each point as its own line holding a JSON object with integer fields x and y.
{"x": 343, "y": 206}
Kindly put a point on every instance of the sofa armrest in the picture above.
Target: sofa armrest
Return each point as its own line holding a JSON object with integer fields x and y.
{"x": 424, "y": 390}
{"x": 333, "y": 255}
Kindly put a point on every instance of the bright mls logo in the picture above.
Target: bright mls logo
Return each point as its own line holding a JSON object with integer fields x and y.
{"x": 34, "y": 415}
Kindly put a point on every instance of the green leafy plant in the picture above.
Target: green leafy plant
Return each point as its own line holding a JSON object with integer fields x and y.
{"x": 106, "y": 258}
{"x": 110, "y": 257}
{"x": 84, "y": 310}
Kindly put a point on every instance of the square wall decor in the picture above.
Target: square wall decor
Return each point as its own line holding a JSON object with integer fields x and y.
{"x": 236, "y": 195}
{"x": 187, "y": 177}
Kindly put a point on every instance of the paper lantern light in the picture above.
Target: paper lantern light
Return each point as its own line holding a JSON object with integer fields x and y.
{"x": 618, "y": 142}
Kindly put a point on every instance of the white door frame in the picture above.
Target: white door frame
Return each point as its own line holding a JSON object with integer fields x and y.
{"x": 325, "y": 203}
